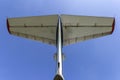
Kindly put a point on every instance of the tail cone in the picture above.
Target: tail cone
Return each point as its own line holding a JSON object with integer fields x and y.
{"x": 58, "y": 77}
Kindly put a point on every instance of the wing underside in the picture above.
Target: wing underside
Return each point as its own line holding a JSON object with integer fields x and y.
{"x": 81, "y": 28}
{"x": 75, "y": 28}
{"x": 41, "y": 28}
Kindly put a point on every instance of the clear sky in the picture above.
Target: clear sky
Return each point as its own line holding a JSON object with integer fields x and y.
{"x": 24, "y": 59}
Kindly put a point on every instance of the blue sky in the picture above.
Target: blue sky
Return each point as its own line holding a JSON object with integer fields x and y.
{"x": 24, "y": 59}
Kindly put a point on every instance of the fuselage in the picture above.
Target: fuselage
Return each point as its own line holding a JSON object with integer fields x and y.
{"x": 59, "y": 45}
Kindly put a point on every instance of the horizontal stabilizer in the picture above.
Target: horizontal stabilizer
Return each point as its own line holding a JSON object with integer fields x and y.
{"x": 75, "y": 28}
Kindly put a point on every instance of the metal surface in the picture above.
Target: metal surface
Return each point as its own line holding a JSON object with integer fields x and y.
{"x": 75, "y": 28}
{"x": 59, "y": 46}
{"x": 81, "y": 28}
{"x": 40, "y": 28}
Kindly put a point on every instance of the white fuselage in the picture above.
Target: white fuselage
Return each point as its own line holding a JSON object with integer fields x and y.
{"x": 59, "y": 45}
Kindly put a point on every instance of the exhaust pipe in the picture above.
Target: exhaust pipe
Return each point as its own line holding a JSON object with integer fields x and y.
{"x": 58, "y": 77}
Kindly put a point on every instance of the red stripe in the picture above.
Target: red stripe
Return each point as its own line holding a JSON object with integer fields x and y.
{"x": 113, "y": 26}
{"x": 8, "y": 26}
